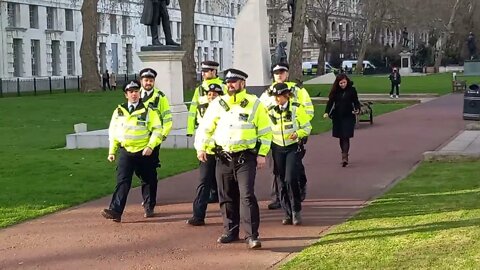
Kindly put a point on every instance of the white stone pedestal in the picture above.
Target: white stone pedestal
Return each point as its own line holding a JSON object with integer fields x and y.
{"x": 168, "y": 64}
{"x": 405, "y": 63}
{"x": 252, "y": 49}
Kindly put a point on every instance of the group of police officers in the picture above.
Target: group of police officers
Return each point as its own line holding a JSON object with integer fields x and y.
{"x": 234, "y": 131}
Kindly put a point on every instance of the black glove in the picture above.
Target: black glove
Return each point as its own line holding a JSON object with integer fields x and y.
{"x": 189, "y": 135}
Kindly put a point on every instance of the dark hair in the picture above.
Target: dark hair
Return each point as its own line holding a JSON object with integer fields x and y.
{"x": 336, "y": 86}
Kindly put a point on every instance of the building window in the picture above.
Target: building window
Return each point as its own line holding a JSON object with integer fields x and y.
{"x": 215, "y": 54}
{"x": 179, "y": 30}
{"x": 103, "y": 57}
{"x": 232, "y": 9}
{"x": 220, "y": 34}
{"x": 99, "y": 23}
{"x": 233, "y": 34}
{"x": 51, "y": 17}
{"x": 17, "y": 57}
{"x": 33, "y": 12}
{"x": 199, "y": 6}
{"x": 68, "y": 20}
{"x": 129, "y": 54}
{"x": 197, "y": 32}
{"x": 71, "y": 57}
{"x": 205, "y": 32}
{"x": 207, "y": 9}
{"x": 239, "y": 7}
{"x": 125, "y": 21}
{"x": 35, "y": 50}
{"x": 220, "y": 59}
{"x": 199, "y": 54}
{"x": 213, "y": 33}
{"x": 113, "y": 24}
{"x": 55, "y": 57}
{"x": 205, "y": 53}
{"x": 273, "y": 39}
{"x": 13, "y": 10}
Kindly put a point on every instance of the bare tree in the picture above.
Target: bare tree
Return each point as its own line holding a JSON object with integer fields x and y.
{"x": 88, "y": 49}
{"x": 187, "y": 9}
{"x": 318, "y": 14}
{"x": 445, "y": 35}
{"x": 296, "y": 47}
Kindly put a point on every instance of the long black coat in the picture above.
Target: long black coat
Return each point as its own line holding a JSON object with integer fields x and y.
{"x": 340, "y": 108}
{"x": 147, "y": 13}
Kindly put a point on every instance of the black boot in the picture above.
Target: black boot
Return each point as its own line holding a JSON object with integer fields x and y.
{"x": 168, "y": 35}
{"x": 344, "y": 159}
{"x": 154, "y": 31}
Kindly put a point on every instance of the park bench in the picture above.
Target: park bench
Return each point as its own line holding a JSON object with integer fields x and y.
{"x": 459, "y": 86}
{"x": 365, "y": 109}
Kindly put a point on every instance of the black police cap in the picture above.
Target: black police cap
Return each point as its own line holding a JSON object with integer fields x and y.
{"x": 280, "y": 66}
{"x": 133, "y": 85}
{"x": 209, "y": 65}
{"x": 235, "y": 75}
{"x": 148, "y": 73}
{"x": 215, "y": 88}
{"x": 280, "y": 89}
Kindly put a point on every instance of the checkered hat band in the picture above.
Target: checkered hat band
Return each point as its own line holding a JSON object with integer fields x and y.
{"x": 208, "y": 67}
{"x": 147, "y": 73}
{"x": 235, "y": 76}
{"x": 132, "y": 85}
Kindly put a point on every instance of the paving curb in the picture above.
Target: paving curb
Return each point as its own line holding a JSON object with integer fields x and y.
{"x": 450, "y": 156}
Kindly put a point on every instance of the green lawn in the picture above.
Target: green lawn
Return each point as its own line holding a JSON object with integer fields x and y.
{"x": 430, "y": 220}
{"x": 39, "y": 178}
{"x": 320, "y": 124}
{"x": 433, "y": 83}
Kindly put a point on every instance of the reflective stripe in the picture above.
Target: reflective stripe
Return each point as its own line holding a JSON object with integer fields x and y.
{"x": 264, "y": 131}
{"x": 194, "y": 103}
{"x": 309, "y": 112}
{"x": 128, "y": 127}
{"x": 168, "y": 120}
{"x": 265, "y": 141}
{"x": 136, "y": 137}
{"x": 157, "y": 127}
{"x": 238, "y": 142}
{"x": 165, "y": 113}
{"x": 242, "y": 126}
{"x": 308, "y": 104}
{"x": 192, "y": 114}
{"x": 254, "y": 110}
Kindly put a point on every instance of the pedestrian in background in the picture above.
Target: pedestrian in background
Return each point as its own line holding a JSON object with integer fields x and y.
{"x": 342, "y": 107}
{"x": 113, "y": 81}
{"x": 395, "y": 80}
{"x": 105, "y": 80}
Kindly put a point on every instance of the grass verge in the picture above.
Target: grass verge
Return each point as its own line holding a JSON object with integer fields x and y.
{"x": 430, "y": 220}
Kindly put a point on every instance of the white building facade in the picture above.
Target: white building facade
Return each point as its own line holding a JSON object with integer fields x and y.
{"x": 40, "y": 38}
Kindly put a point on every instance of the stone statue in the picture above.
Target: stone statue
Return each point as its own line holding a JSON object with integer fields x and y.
{"x": 472, "y": 46}
{"x": 291, "y": 7}
{"x": 154, "y": 13}
{"x": 280, "y": 53}
{"x": 405, "y": 37}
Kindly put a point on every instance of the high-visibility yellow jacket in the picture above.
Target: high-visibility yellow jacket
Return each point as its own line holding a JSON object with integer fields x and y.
{"x": 198, "y": 105}
{"x": 300, "y": 95}
{"x": 236, "y": 123}
{"x": 158, "y": 102}
{"x": 286, "y": 122}
{"x": 134, "y": 131}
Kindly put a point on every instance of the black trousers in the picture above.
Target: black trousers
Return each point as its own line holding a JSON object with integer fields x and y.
{"x": 302, "y": 176}
{"x": 394, "y": 86}
{"x": 128, "y": 163}
{"x": 106, "y": 83}
{"x": 286, "y": 162}
{"x": 236, "y": 194}
{"x": 160, "y": 15}
{"x": 207, "y": 183}
{"x": 149, "y": 188}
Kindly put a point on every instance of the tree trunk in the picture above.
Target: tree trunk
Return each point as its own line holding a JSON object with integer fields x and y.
{"x": 88, "y": 50}
{"x": 319, "y": 33}
{"x": 363, "y": 48}
{"x": 446, "y": 35}
{"x": 296, "y": 47}
{"x": 187, "y": 9}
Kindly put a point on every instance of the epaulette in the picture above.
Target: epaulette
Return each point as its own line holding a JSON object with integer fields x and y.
{"x": 296, "y": 104}
{"x": 119, "y": 112}
{"x": 244, "y": 103}
{"x": 224, "y": 105}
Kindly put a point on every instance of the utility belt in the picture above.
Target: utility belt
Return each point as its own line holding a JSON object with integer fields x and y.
{"x": 233, "y": 157}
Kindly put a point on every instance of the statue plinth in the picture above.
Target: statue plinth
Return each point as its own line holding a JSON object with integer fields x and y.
{"x": 167, "y": 61}
{"x": 405, "y": 63}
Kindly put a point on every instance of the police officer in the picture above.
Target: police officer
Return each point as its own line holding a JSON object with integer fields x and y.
{"x": 300, "y": 95}
{"x": 156, "y": 100}
{"x": 290, "y": 123}
{"x": 239, "y": 126}
{"x": 207, "y": 168}
{"x": 135, "y": 130}
{"x": 200, "y": 101}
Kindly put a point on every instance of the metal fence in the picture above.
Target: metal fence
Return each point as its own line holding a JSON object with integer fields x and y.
{"x": 37, "y": 85}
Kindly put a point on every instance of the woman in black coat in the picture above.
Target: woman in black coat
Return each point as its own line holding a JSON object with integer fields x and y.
{"x": 342, "y": 107}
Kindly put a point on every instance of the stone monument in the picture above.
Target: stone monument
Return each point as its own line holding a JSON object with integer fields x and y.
{"x": 405, "y": 63}
{"x": 155, "y": 13}
{"x": 252, "y": 50}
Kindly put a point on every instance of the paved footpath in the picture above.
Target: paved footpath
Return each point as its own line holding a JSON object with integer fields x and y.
{"x": 79, "y": 238}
